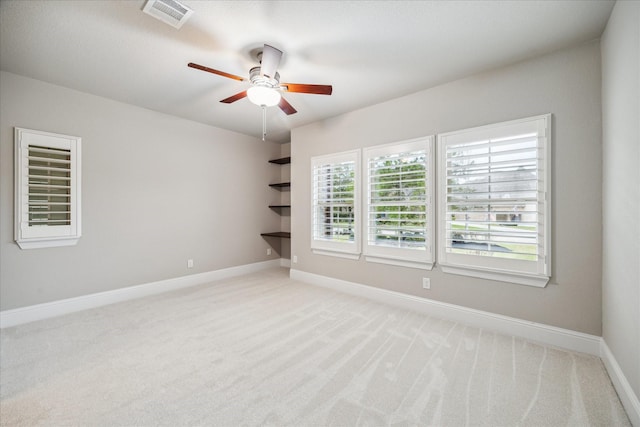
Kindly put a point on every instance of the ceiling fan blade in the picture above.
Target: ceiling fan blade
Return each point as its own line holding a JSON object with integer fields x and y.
{"x": 235, "y": 97}
{"x": 270, "y": 61}
{"x": 302, "y": 88}
{"x": 211, "y": 70}
{"x": 286, "y": 107}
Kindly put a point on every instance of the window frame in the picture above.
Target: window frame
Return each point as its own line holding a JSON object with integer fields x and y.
{"x": 42, "y": 236}
{"x": 406, "y": 257}
{"x": 341, "y": 249}
{"x": 534, "y": 273}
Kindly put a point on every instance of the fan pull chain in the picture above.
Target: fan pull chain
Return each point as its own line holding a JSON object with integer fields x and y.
{"x": 264, "y": 122}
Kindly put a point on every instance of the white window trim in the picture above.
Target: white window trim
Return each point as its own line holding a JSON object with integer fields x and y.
{"x": 347, "y": 249}
{"x": 467, "y": 265}
{"x": 400, "y": 256}
{"x": 46, "y": 236}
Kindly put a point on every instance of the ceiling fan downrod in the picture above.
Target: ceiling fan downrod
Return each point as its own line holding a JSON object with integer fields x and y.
{"x": 264, "y": 122}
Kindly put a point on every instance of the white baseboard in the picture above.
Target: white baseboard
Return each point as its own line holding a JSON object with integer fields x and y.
{"x": 627, "y": 396}
{"x": 545, "y": 334}
{"x": 47, "y": 310}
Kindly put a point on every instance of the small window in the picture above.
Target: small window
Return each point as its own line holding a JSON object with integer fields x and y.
{"x": 335, "y": 205}
{"x": 495, "y": 201}
{"x": 47, "y": 189}
{"x": 399, "y": 215}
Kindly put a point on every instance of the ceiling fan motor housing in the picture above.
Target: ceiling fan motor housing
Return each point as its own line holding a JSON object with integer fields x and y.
{"x": 258, "y": 79}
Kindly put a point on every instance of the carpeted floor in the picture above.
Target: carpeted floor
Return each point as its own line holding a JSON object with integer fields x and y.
{"x": 265, "y": 350}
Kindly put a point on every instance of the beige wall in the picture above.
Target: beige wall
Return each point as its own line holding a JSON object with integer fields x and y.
{"x": 156, "y": 190}
{"x": 566, "y": 84}
{"x": 621, "y": 188}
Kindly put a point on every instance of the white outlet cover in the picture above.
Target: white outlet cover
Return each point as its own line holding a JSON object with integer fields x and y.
{"x": 426, "y": 283}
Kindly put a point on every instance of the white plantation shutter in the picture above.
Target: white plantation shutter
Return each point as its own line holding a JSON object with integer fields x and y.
{"x": 47, "y": 189}
{"x": 49, "y": 186}
{"x": 399, "y": 225}
{"x": 335, "y": 203}
{"x": 494, "y": 199}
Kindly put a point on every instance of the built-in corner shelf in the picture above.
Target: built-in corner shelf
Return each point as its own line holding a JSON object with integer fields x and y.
{"x": 282, "y": 161}
{"x": 280, "y": 186}
{"x": 283, "y": 234}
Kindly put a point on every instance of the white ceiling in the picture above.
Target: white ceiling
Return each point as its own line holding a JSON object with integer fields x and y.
{"x": 370, "y": 51}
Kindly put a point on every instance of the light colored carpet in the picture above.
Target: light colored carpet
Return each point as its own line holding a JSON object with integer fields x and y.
{"x": 266, "y": 350}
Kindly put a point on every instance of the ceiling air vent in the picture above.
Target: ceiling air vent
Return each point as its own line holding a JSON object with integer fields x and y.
{"x": 171, "y": 12}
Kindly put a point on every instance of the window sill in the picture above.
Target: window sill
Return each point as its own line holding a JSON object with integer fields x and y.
{"x": 46, "y": 243}
{"x": 501, "y": 276}
{"x": 399, "y": 262}
{"x": 338, "y": 254}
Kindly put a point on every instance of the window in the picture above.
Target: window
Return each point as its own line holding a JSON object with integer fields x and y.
{"x": 335, "y": 205}
{"x": 399, "y": 218}
{"x": 494, "y": 201}
{"x": 47, "y": 189}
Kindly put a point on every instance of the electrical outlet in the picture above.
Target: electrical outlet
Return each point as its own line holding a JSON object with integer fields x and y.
{"x": 295, "y": 258}
{"x": 268, "y": 251}
{"x": 189, "y": 263}
{"x": 426, "y": 283}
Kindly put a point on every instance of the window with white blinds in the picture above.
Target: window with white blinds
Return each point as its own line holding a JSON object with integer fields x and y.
{"x": 399, "y": 218}
{"x": 336, "y": 204}
{"x": 494, "y": 201}
{"x": 47, "y": 189}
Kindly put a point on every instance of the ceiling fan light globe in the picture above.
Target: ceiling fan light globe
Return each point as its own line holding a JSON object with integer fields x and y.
{"x": 263, "y": 96}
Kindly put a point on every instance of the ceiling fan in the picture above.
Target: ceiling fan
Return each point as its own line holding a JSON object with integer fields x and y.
{"x": 266, "y": 88}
